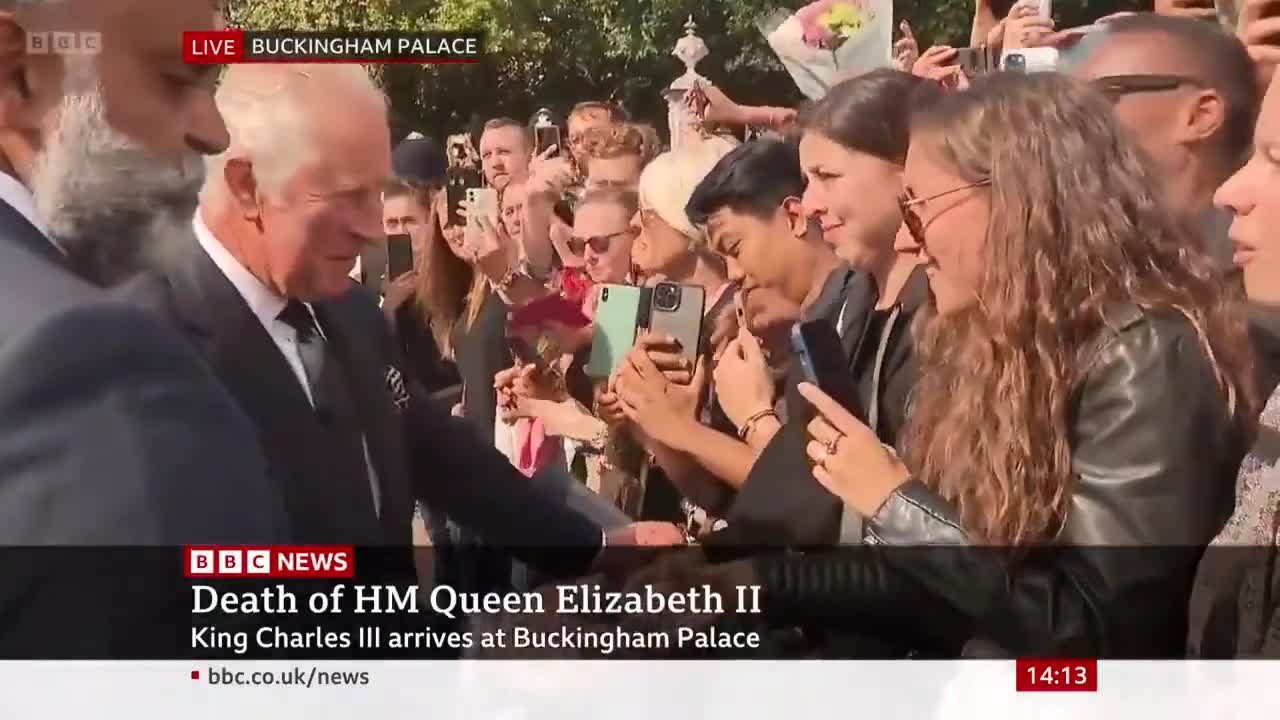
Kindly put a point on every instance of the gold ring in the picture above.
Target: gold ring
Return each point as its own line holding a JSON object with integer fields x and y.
{"x": 834, "y": 446}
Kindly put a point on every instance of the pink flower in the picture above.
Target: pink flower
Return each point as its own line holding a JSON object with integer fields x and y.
{"x": 814, "y": 34}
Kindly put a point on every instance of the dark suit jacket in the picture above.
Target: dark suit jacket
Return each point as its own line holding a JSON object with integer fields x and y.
{"x": 418, "y": 450}
{"x": 112, "y": 432}
{"x": 208, "y": 308}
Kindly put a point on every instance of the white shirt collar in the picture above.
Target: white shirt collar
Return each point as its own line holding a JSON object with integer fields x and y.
{"x": 18, "y": 197}
{"x": 262, "y": 300}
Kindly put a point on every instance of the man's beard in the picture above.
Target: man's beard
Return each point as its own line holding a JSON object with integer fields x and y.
{"x": 109, "y": 204}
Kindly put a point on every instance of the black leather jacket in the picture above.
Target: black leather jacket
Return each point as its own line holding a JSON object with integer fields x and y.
{"x": 1155, "y": 454}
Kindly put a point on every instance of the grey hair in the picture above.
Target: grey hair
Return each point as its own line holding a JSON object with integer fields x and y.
{"x": 271, "y": 113}
{"x": 113, "y": 207}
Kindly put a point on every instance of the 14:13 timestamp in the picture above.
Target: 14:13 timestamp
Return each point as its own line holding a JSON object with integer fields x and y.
{"x": 1057, "y": 675}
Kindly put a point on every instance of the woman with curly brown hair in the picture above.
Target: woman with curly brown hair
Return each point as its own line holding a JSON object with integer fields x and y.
{"x": 1085, "y": 384}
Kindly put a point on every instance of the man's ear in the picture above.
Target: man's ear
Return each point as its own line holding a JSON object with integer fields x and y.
{"x": 1203, "y": 117}
{"x": 797, "y": 220}
{"x": 242, "y": 187}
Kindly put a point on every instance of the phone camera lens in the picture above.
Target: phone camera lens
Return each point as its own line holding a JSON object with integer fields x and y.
{"x": 666, "y": 297}
{"x": 604, "y": 294}
{"x": 1016, "y": 61}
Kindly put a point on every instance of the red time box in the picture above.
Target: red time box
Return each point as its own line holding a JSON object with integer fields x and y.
{"x": 1057, "y": 675}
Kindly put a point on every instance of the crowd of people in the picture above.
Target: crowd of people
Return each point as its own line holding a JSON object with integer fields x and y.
{"x": 1055, "y": 298}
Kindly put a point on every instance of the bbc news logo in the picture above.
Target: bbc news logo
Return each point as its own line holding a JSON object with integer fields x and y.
{"x": 64, "y": 43}
{"x": 319, "y": 561}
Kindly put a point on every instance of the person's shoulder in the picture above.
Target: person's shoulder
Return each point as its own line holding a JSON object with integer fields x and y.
{"x": 32, "y": 288}
{"x": 1131, "y": 335}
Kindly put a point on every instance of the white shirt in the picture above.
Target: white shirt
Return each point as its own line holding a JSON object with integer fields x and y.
{"x": 18, "y": 197}
{"x": 266, "y": 305}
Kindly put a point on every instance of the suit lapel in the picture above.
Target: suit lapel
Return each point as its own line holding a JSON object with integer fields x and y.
{"x": 365, "y": 370}
{"x": 253, "y": 369}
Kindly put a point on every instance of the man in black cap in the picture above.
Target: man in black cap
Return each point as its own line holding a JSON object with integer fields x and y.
{"x": 419, "y": 164}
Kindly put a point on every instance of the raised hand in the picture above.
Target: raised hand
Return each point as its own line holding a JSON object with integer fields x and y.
{"x": 744, "y": 383}
{"x": 1025, "y": 27}
{"x": 937, "y": 63}
{"x": 906, "y": 51}
{"x": 847, "y": 458}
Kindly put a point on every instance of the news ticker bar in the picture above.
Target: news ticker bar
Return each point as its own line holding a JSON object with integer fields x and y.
{"x": 578, "y": 690}
{"x": 274, "y": 46}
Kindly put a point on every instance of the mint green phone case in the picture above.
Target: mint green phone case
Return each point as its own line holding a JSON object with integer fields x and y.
{"x": 615, "y": 328}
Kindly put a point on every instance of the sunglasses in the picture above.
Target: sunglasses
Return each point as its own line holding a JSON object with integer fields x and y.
{"x": 599, "y": 243}
{"x": 1118, "y": 86}
{"x": 908, "y": 202}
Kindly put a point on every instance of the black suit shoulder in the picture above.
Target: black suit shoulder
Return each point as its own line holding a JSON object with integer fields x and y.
{"x": 111, "y": 430}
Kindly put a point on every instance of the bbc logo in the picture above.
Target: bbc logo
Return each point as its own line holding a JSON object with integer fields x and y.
{"x": 223, "y": 562}
{"x": 64, "y": 43}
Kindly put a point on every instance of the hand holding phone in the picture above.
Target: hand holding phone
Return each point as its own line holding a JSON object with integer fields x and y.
{"x": 480, "y": 203}
{"x": 458, "y": 181}
{"x": 823, "y": 363}
{"x": 1026, "y": 26}
{"x": 743, "y": 381}
{"x": 847, "y": 457}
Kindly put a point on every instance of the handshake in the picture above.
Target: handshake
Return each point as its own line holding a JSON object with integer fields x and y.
{"x": 606, "y": 618}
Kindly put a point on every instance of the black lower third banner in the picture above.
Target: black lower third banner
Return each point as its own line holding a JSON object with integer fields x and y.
{"x": 362, "y": 603}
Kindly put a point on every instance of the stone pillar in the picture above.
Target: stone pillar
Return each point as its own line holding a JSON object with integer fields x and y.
{"x": 690, "y": 50}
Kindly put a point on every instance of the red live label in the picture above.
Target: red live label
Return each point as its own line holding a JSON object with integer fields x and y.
{"x": 212, "y": 47}
{"x": 281, "y": 561}
{"x": 1057, "y": 675}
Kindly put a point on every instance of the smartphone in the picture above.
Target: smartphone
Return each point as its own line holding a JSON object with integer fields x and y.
{"x": 975, "y": 61}
{"x": 677, "y": 311}
{"x": 399, "y": 255}
{"x": 481, "y": 203}
{"x": 1032, "y": 60}
{"x": 617, "y": 312}
{"x": 458, "y": 182}
{"x": 823, "y": 362}
{"x": 547, "y": 136}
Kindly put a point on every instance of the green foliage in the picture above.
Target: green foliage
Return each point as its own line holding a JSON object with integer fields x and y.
{"x": 554, "y": 53}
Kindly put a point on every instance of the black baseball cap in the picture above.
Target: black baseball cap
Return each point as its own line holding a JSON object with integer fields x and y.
{"x": 420, "y": 160}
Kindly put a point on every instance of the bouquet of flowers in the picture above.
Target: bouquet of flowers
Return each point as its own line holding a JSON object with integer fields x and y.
{"x": 831, "y": 40}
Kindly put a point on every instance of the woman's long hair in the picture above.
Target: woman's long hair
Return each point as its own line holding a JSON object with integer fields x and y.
{"x": 1076, "y": 229}
{"x": 449, "y": 288}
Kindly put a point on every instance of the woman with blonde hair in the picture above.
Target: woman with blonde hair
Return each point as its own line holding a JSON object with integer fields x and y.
{"x": 671, "y": 404}
{"x": 1085, "y": 384}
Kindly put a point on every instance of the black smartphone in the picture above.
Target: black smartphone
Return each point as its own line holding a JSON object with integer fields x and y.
{"x": 547, "y": 136}
{"x": 399, "y": 255}
{"x": 823, "y": 362}
{"x": 456, "y": 185}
